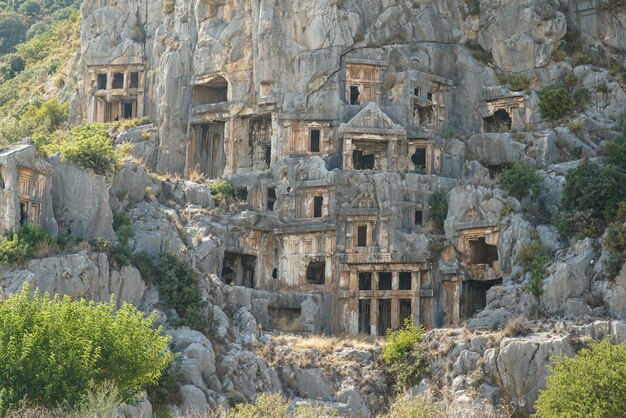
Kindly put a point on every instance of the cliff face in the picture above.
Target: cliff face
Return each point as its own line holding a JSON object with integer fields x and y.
{"x": 289, "y": 56}
{"x": 337, "y": 124}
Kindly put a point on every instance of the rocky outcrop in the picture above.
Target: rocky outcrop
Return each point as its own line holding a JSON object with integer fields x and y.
{"x": 82, "y": 275}
{"x": 81, "y": 201}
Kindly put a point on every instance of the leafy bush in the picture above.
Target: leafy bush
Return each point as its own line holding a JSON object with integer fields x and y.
{"x": 267, "y": 405}
{"x": 403, "y": 354}
{"x": 520, "y": 180}
{"x": 591, "y": 384}
{"x": 615, "y": 152}
{"x": 438, "y": 204}
{"x": 516, "y": 82}
{"x": 614, "y": 242}
{"x": 20, "y": 246}
{"x": 414, "y": 407}
{"x": 179, "y": 289}
{"x": 221, "y": 191}
{"x": 596, "y": 189}
{"x": 87, "y": 146}
{"x": 143, "y": 262}
{"x": 555, "y": 102}
{"x": 537, "y": 272}
{"x": 165, "y": 392}
{"x": 478, "y": 52}
{"x": 529, "y": 252}
{"x": 53, "y": 350}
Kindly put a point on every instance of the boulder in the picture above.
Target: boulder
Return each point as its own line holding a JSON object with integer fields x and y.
{"x": 494, "y": 149}
{"x": 522, "y": 365}
{"x": 81, "y": 201}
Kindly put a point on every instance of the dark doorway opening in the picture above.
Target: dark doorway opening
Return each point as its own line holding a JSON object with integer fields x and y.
{"x": 500, "y": 121}
{"x": 384, "y": 280}
{"x": 354, "y": 95}
{"x": 419, "y": 217}
{"x": 362, "y": 161}
{"x": 474, "y": 296}
{"x": 128, "y": 111}
{"x": 482, "y": 253}
{"x": 238, "y": 269}
{"x": 361, "y": 236}
{"x": 405, "y": 282}
{"x": 365, "y": 281}
{"x": 315, "y": 140}
{"x": 271, "y": 198}
{"x": 419, "y": 160}
{"x": 404, "y": 310}
{"x": 318, "y": 202}
{"x": 134, "y": 80}
{"x": 384, "y": 316}
{"x": 23, "y": 213}
{"x": 102, "y": 81}
{"x": 118, "y": 81}
{"x": 365, "y": 309}
{"x": 316, "y": 272}
{"x": 267, "y": 155}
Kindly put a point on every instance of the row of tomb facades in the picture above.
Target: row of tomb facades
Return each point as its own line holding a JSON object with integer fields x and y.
{"x": 325, "y": 238}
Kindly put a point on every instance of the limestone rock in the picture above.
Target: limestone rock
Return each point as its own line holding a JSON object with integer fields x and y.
{"x": 522, "y": 364}
{"x": 495, "y": 149}
{"x": 81, "y": 201}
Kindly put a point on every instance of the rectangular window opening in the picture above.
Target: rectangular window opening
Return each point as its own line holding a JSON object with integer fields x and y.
{"x": 405, "y": 282}
{"x": 354, "y": 95}
{"x": 362, "y": 236}
{"x": 318, "y": 202}
{"x": 271, "y": 198}
{"x": 102, "y": 81}
{"x": 419, "y": 217}
{"x": 365, "y": 281}
{"x": 315, "y": 140}
{"x": 118, "y": 80}
{"x": 134, "y": 80}
{"x": 384, "y": 280}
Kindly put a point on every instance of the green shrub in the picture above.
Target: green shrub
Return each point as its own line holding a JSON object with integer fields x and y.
{"x": 614, "y": 242}
{"x": 88, "y": 146}
{"x": 596, "y": 189}
{"x": 615, "y": 152}
{"x": 537, "y": 272}
{"x": 555, "y": 102}
{"x": 520, "y": 179}
{"x": 529, "y": 252}
{"x": 478, "y": 52}
{"x": 53, "y": 350}
{"x": 404, "y": 355}
{"x": 577, "y": 224}
{"x": 20, "y": 246}
{"x": 144, "y": 263}
{"x": 414, "y": 407}
{"x": 221, "y": 191}
{"x": 179, "y": 289}
{"x": 165, "y": 392}
{"x": 516, "y": 82}
{"x": 591, "y": 384}
{"x": 438, "y": 204}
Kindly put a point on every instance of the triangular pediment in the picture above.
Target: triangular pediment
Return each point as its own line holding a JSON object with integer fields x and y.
{"x": 371, "y": 117}
{"x": 472, "y": 213}
{"x": 365, "y": 199}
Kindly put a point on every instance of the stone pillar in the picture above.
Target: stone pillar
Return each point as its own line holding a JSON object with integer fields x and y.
{"x": 374, "y": 316}
{"x": 416, "y": 284}
{"x": 347, "y": 153}
{"x": 395, "y": 314}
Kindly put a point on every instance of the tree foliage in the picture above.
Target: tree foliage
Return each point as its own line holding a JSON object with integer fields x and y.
{"x": 520, "y": 180}
{"x": 591, "y": 384}
{"x": 53, "y": 350}
{"x": 404, "y": 355}
{"x": 594, "y": 188}
{"x": 88, "y": 146}
{"x": 555, "y": 102}
{"x": 438, "y": 203}
{"x": 179, "y": 289}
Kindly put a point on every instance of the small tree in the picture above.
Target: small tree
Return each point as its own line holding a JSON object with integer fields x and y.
{"x": 53, "y": 350}
{"x": 591, "y": 384}
{"x": 438, "y": 203}
{"x": 179, "y": 289}
{"x": 599, "y": 190}
{"x": 403, "y": 354}
{"x": 555, "y": 102}
{"x": 520, "y": 180}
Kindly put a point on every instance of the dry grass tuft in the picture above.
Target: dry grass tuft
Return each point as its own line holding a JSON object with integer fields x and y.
{"x": 516, "y": 327}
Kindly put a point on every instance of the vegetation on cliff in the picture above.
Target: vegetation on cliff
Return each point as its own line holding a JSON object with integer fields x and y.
{"x": 53, "y": 350}
{"x": 591, "y": 384}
